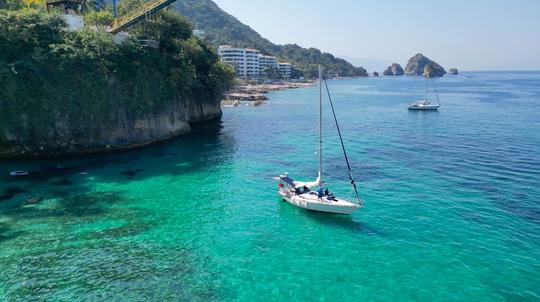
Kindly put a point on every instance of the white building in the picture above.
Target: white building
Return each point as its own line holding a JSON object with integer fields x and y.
{"x": 199, "y": 33}
{"x": 268, "y": 61}
{"x": 244, "y": 60}
{"x": 285, "y": 69}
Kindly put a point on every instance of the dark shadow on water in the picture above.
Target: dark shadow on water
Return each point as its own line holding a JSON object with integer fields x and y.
{"x": 204, "y": 138}
{"x": 423, "y": 112}
{"x": 7, "y": 233}
{"x": 205, "y": 146}
{"x": 345, "y": 222}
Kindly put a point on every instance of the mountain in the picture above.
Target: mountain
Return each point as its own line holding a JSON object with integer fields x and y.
{"x": 222, "y": 28}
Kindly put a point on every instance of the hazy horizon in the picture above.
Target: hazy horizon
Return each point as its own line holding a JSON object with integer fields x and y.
{"x": 480, "y": 35}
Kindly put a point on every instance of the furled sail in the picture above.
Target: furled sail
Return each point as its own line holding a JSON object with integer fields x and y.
{"x": 311, "y": 184}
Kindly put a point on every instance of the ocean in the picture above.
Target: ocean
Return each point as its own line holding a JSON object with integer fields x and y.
{"x": 452, "y": 204}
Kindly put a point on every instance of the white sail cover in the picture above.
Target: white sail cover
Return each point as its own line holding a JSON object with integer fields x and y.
{"x": 312, "y": 184}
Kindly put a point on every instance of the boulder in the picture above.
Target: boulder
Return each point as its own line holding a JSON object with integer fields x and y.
{"x": 393, "y": 70}
{"x": 375, "y": 74}
{"x": 422, "y": 65}
{"x": 453, "y": 71}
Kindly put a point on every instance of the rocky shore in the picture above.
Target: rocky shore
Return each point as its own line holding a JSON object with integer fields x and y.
{"x": 254, "y": 94}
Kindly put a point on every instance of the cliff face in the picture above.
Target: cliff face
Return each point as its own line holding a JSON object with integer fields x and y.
{"x": 417, "y": 66}
{"x": 65, "y": 138}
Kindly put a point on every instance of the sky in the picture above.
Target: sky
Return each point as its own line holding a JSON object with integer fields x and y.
{"x": 466, "y": 34}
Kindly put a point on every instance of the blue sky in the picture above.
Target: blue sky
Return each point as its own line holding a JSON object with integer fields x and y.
{"x": 469, "y": 35}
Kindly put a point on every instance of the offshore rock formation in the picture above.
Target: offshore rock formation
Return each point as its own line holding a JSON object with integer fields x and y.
{"x": 393, "y": 70}
{"x": 375, "y": 74}
{"x": 417, "y": 66}
{"x": 453, "y": 71}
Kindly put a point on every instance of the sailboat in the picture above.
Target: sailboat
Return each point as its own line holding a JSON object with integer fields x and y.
{"x": 425, "y": 104}
{"x": 302, "y": 194}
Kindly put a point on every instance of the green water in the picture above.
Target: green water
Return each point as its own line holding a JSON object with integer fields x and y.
{"x": 452, "y": 205}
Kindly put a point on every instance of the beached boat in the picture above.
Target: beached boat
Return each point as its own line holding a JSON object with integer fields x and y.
{"x": 301, "y": 194}
{"x": 425, "y": 104}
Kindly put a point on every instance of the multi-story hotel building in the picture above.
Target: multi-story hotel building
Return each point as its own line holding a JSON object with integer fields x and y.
{"x": 268, "y": 61}
{"x": 285, "y": 69}
{"x": 244, "y": 60}
{"x": 248, "y": 62}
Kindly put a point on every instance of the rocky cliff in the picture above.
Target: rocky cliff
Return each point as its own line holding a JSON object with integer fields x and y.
{"x": 393, "y": 70}
{"x": 68, "y": 138}
{"x": 417, "y": 66}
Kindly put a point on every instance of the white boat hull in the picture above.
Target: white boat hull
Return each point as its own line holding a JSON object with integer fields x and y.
{"x": 429, "y": 107}
{"x": 312, "y": 202}
{"x": 423, "y": 105}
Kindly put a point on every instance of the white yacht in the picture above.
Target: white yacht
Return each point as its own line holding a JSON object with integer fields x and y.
{"x": 425, "y": 104}
{"x": 302, "y": 194}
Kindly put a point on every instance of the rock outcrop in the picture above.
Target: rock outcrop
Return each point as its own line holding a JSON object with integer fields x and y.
{"x": 375, "y": 74}
{"x": 417, "y": 66}
{"x": 453, "y": 71}
{"x": 68, "y": 138}
{"x": 393, "y": 70}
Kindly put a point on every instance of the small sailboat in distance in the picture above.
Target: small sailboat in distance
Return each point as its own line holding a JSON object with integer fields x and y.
{"x": 425, "y": 104}
{"x": 301, "y": 194}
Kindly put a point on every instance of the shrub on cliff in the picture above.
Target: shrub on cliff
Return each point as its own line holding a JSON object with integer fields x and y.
{"x": 52, "y": 78}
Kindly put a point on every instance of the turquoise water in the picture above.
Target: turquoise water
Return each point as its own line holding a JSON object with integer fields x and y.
{"x": 452, "y": 204}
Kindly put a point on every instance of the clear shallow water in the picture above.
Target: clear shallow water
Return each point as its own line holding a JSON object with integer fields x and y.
{"x": 452, "y": 205}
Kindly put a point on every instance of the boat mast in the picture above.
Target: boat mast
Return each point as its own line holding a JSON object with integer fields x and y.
{"x": 320, "y": 128}
{"x": 427, "y": 87}
{"x": 436, "y": 93}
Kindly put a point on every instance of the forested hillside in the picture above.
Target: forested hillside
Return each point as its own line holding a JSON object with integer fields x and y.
{"x": 222, "y": 28}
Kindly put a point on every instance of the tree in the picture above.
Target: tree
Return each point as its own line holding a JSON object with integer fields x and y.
{"x": 30, "y": 3}
{"x": 99, "y": 18}
{"x": 270, "y": 73}
{"x": 92, "y": 5}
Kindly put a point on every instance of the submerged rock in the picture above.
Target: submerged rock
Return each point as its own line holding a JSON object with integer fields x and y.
{"x": 393, "y": 70}
{"x": 34, "y": 200}
{"x": 417, "y": 66}
{"x": 14, "y": 190}
{"x": 6, "y": 196}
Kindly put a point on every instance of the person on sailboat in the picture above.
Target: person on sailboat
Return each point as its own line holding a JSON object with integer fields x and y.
{"x": 320, "y": 192}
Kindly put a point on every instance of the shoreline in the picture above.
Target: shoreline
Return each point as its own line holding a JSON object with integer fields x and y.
{"x": 255, "y": 94}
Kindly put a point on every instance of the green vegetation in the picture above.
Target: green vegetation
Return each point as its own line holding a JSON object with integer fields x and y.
{"x": 99, "y": 18}
{"x": 52, "y": 78}
{"x": 224, "y": 29}
{"x": 308, "y": 60}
